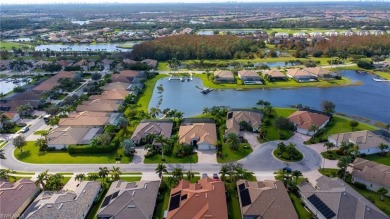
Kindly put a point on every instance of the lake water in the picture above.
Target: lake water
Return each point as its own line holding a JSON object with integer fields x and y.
{"x": 80, "y": 22}
{"x": 370, "y": 100}
{"x": 7, "y": 85}
{"x": 109, "y": 47}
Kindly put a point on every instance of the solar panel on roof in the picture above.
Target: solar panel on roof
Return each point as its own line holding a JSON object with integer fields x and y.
{"x": 321, "y": 207}
{"x": 241, "y": 186}
{"x": 175, "y": 201}
{"x": 115, "y": 194}
{"x": 245, "y": 198}
{"x": 106, "y": 201}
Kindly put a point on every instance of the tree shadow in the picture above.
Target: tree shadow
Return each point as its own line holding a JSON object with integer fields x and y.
{"x": 23, "y": 155}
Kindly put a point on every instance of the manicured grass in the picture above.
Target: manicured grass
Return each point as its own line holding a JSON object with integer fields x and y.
{"x": 280, "y": 84}
{"x": 375, "y": 199}
{"x": 299, "y": 208}
{"x": 230, "y": 155}
{"x": 284, "y": 156}
{"x": 234, "y": 210}
{"x": 131, "y": 178}
{"x": 16, "y": 178}
{"x": 3, "y": 143}
{"x": 148, "y": 92}
{"x": 171, "y": 159}
{"x": 25, "y": 173}
{"x": 163, "y": 66}
{"x": 40, "y": 132}
{"x": 379, "y": 159}
{"x": 31, "y": 154}
{"x": 65, "y": 173}
{"x": 385, "y": 75}
{"x": 272, "y": 132}
{"x": 330, "y": 172}
{"x": 161, "y": 203}
{"x": 341, "y": 124}
{"x": 61, "y": 96}
{"x": 8, "y": 45}
{"x": 65, "y": 180}
{"x": 331, "y": 155}
{"x": 284, "y": 112}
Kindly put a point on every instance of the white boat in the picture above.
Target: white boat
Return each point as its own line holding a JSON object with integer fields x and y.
{"x": 379, "y": 80}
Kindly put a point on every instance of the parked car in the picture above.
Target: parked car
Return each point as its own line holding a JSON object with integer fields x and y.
{"x": 204, "y": 175}
{"x": 287, "y": 169}
{"x": 215, "y": 177}
{"x": 24, "y": 129}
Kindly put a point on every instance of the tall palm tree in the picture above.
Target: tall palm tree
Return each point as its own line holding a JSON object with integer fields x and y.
{"x": 80, "y": 177}
{"x": 179, "y": 116}
{"x": 383, "y": 147}
{"x": 54, "y": 182}
{"x": 343, "y": 164}
{"x": 161, "y": 169}
{"x": 177, "y": 173}
{"x": 206, "y": 110}
{"x": 103, "y": 172}
{"x": 2, "y": 154}
{"x": 93, "y": 176}
{"x": 154, "y": 112}
{"x": 190, "y": 175}
{"x": 41, "y": 179}
{"x": 329, "y": 145}
{"x": 115, "y": 173}
{"x": 162, "y": 140}
{"x": 382, "y": 192}
{"x": 224, "y": 171}
{"x": 296, "y": 174}
{"x": 233, "y": 140}
{"x": 5, "y": 173}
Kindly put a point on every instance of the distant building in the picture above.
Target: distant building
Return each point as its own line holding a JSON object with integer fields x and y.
{"x": 274, "y": 75}
{"x": 85, "y": 119}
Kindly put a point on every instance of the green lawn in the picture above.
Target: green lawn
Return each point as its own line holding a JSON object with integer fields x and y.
{"x": 284, "y": 156}
{"x": 375, "y": 199}
{"x": 331, "y": 155}
{"x": 31, "y": 154}
{"x": 171, "y": 159}
{"x": 284, "y": 112}
{"x": 272, "y": 132}
{"x": 24, "y": 173}
{"x": 379, "y": 159}
{"x": 40, "y": 132}
{"x": 163, "y": 66}
{"x": 230, "y": 155}
{"x": 385, "y": 75}
{"x": 330, "y": 172}
{"x": 299, "y": 208}
{"x": 65, "y": 180}
{"x": 3, "y": 143}
{"x": 233, "y": 204}
{"x": 8, "y": 45}
{"x": 131, "y": 178}
{"x": 148, "y": 92}
{"x": 341, "y": 124}
{"x": 16, "y": 178}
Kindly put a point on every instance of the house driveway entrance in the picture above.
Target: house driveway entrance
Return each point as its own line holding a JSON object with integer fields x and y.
{"x": 207, "y": 156}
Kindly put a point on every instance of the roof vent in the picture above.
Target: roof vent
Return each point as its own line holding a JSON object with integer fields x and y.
{"x": 133, "y": 193}
{"x": 131, "y": 206}
{"x": 20, "y": 187}
{"x": 59, "y": 207}
{"x": 49, "y": 206}
{"x": 146, "y": 185}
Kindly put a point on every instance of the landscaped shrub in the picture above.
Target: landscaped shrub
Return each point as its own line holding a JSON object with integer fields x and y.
{"x": 78, "y": 149}
{"x": 360, "y": 185}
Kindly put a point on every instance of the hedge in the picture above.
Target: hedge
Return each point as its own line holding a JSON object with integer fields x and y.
{"x": 75, "y": 149}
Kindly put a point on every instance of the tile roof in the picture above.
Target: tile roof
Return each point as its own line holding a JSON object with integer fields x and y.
{"x": 50, "y": 83}
{"x": 339, "y": 197}
{"x": 130, "y": 73}
{"x": 204, "y": 199}
{"x": 111, "y": 95}
{"x": 64, "y": 204}
{"x": 71, "y": 135}
{"x": 306, "y": 119}
{"x": 99, "y": 105}
{"x": 85, "y": 118}
{"x": 371, "y": 171}
{"x": 116, "y": 85}
{"x": 152, "y": 127}
{"x": 130, "y": 200}
{"x": 268, "y": 199}
{"x": 224, "y": 74}
{"x": 248, "y": 73}
{"x": 296, "y": 72}
{"x": 317, "y": 71}
{"x": 14, "y": 195}
{"x": 150, "y": 62}
{"x": 364, "y": 139}
{"x": 204, "y": 132}
{"x": 274, "y": 73}
{"x": 253, "y": 118}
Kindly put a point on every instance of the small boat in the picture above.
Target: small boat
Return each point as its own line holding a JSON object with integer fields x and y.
{"x": 206, "y": 90}
{"x": 379, "y": 80}
{"x": 182, "y": 79}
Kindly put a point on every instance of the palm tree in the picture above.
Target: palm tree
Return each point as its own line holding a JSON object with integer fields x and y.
{"x": 2, "y": 154}
{"x": 290, "y": 149}
{"x": 154, "y": 112}
{"x": 162, "y": 140}
{"x": 282, "y": 175}
{"x": 41, "y": 179}
{"x": 115, "y": 173}
{"x": 177, "y": 173}
{"x": 103, "y": 172}
{"x": 233, "y": 140}
{"x": 296, "y": 174}
{"x": 343, "y": 164}
{"x": 161, "y": 169}
{"x": 179, "y": 116}
{"x": 382, "y": 192}
{"x": 206, "y": 110}
{"x": 93, "y": 176}
{"x": 80, "y": 177}
{"x": 190, "y": 175}
{"x": 224, "y": 171}
{"x": 329, "y": 145}
{"x": 5, "y": 173}
{"x": 383, "y": 147}
{"x": 54, "y": 182}
{"x": 41, "y": 143}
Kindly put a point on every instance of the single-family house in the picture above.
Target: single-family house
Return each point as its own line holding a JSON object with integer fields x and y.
{"x": 129, "y": 200}
{"x": 50, "y": 83}
{"x": 15, "y": 197}
{"x": 316, "y": 34}
{"x": 238, "y": 120}
{"x": 99, "y": 105}
{"x": 372, "y": 174}
{"x": 330, "y": 198}
{"x": 41, "y": 64}
{"x": 111, "y": 95}
{"x": 202, "y": 135}
{"x": 63, "y": 136}
{"x": 107, "y": 63}
{"x": 264, "y": 199}
{"x": 274, "y": 75}
{"x": 64, "y": 63}
{"x": 155, "y": 127}
{"x": 249, "y": 77}
{"x": 300, "y": 76}
{"x": 64, "y": 204}
{"x": 320, "y": 72}
{"x": 136, "y": 87}
{"x": 308, "y": 122}
{"x": 224, "y": 76}
{"x": 331, "y": 33}
{"x": 9, "y": 116}
{"x": 300, "y": 34}
{"x": 4, "y": 65}
{"x": 116, "y": 85}
{"x": 277, "y": 40}
{"x": 151, "y": 63}
{"x": 204, "y": 199}
{"x": 367, "y": 141}
{"x": 85, "y": 119}
{"x": 282, "y": 35}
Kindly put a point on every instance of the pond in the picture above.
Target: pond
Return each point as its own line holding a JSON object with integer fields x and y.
{"x": 80, "y": 22}
{"x": 109, "y": 47}
{"x": 7, "y": 84}
{"x": 370, "y": 100}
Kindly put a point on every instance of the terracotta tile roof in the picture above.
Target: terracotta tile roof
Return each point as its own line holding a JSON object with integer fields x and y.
{"x": 224, "y": 74}
{"x": 268, "y": 199}
{"x": 371, "y": 171}
{"x": 121, "y": 78}
{"x": 317, "y": 71}
{"x": 53, "y": 81}
{"x": 116, "y": 85}
{"x": 14, "y": 195}
{"x": 274, "y": 73}
{"x": 85, "y": 118}
{"x": 64, "y": 63}
{"x": 365, "y": 139}
{"x": 296, "y": 72}
{"x": 305, "y": 119}
{"x": 99, "y": 105}
{"x": 235, "y": 117}
{"x": 129, "y": 73}
{"x": 152, "y": 127}
{"x": 204, "y": 199}
{"x": 8, "y": 115}
{"x": 150, "y": 62}
{"x": 111, "y": 95}
{"x": 71, "y": 135}
{"x": 205, "y": 132}
{"x": 248, "y": 73}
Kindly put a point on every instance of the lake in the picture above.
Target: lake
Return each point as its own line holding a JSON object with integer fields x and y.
{"x": 109, "y": 47}
{"x": 370, "y": 100}
{"x": 80, "y": 22}
{"x": 7, "y": 85}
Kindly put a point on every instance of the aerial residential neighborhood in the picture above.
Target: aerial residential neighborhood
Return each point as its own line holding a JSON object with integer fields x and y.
{"x": 195, "y": 110}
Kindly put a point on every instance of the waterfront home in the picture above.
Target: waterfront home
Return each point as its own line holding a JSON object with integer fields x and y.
{"x": 64, "y": 204}
{"x": 282, "y": 35}
{"x": 107, "y": 63}
{"x": 274, "y": 75}
{"x": 265, "y": 199}
{"x": 320, "y": 72}
{"x": 308, "y": 122}
{"x": 116, "y": 85}
{"x": 333, "y": 198}
{"x": 202, "y": 135}
{"x": 300, "y": 76}
{"x": 111, "y": 95}
{"x": 204, "y": 199}
{"x": 224, "y": 76}
{"x": 249, "y": 77}
{"x": 15, "y": 197}
{"x": 99, "y": 105}
{"x": 136, "y": 86}
{"x": 151, "y": 63}
{"x": 238, "y": 120}
{"x": 63, "y": 136}
{"x": 371, "y": 174}
{"x": 316, "y": 34}
{"x": 129, "y": 200}
{"x": 154, "y": 127}
{"x": 367, "y": 141}
{"x": 50, "y": 83}
{"x": 85, "y": 119}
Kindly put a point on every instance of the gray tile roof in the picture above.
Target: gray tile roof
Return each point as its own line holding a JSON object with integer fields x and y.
{"x": 131, "y": 200}
{"x": 371, "y": 171}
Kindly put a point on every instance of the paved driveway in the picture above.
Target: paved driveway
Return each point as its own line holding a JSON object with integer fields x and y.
{"x": 209, "y": 156}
